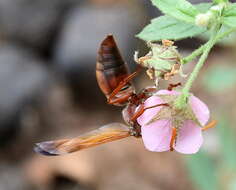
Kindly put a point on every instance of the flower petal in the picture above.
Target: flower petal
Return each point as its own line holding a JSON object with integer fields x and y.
{"x": 200, "y": 109}
{"x": 150, "y": 113}
{"x": 189, "y": 138}
{"x": 157, "y": 135}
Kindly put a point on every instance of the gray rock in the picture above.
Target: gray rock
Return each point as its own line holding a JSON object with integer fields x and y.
{"x": 11, "y": 178}
{"x": 85, "y": 28}
{"x": 22, "y": 78}
{"x": 31, "y": 22}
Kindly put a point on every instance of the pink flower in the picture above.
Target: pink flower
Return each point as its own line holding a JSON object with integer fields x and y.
{"x": 157, "y": 123}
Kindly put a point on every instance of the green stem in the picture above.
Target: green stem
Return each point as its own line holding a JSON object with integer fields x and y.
{"x": 182, "y": 99}
{"x": 226, "y": 33}
{"x": 199, "y": 65}
{"x": 200, "y": 50}
{"x": 194, "y": 54}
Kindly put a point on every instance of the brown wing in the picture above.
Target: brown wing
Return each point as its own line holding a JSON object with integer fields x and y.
{"x": 107, "y": 133}
{"x": 110, "y": 67}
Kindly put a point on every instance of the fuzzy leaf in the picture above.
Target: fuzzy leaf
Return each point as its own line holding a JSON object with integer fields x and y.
{"x": 179, "y": 9}
{"x": 220, "y": 1}
{"x": 229, "y": 16}
{"x": 165, "y": 27}
{"x": 203, "y": 7}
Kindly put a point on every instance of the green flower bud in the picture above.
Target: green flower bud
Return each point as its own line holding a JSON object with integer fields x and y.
{"x": 204, "y": 19}
{"x": 162, "y": 61}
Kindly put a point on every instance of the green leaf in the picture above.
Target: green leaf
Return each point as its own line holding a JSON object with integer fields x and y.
{"x": 179, "y": 9}
{"x": 229, "y": 16}
{"x": 220, "y": 1}
{"x": 202, "y": 171}
{"x": 165, "y": 27}
{"x": 203, "y": 7}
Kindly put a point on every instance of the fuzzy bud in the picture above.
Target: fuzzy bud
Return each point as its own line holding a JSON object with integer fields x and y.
{"x": 204, "y": 19}
{"x": 163, "y": 61}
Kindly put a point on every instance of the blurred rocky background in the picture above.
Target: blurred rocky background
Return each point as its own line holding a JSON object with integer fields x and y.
{"x": 49, "y": 90}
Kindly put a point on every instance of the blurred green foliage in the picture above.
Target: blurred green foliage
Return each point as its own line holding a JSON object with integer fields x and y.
{"x": 216, "y": 172}
{"x": 202, "y": 171}
{"x": 163, "y": 27}
{"x": 220, "y": 77}
{"x": 228, "y": 144}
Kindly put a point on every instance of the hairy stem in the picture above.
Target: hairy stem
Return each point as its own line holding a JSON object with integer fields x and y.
{"x": 200, "y": 50}
{"x": 182, "y": 99}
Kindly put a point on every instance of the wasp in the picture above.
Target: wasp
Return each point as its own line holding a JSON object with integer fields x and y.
{"x": 115, "y": 82}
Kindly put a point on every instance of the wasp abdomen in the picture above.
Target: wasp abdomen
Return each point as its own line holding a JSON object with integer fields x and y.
{"x": 110, "y": 67}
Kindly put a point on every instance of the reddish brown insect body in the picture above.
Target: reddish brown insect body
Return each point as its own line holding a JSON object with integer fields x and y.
{"x": 111, "y": 70}
{"x": 115, "y": 82}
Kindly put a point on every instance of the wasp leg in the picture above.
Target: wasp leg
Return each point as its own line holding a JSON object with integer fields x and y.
{"x": 173, "y": 138}
{"x": 142, "y": 109}
{"x": 171, "y": 86}
{"x": 209, "y": 125}
{"x": 122, "y": 84}
{"x": 120, "y": 99}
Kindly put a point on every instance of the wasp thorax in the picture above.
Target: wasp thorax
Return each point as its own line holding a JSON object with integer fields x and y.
{"x": 162, "y": 61}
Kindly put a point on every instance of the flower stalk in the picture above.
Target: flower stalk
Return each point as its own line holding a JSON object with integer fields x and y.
{"x": 183, "y": 98}
{"x": 200, "y": 50}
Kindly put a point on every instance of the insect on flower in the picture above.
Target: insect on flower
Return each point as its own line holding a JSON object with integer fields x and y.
{"x": 150, "y": 113}
{"x": 115, "y": 82}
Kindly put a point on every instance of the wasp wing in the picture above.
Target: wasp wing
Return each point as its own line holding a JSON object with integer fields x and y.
{"x": 104, "y": 134}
